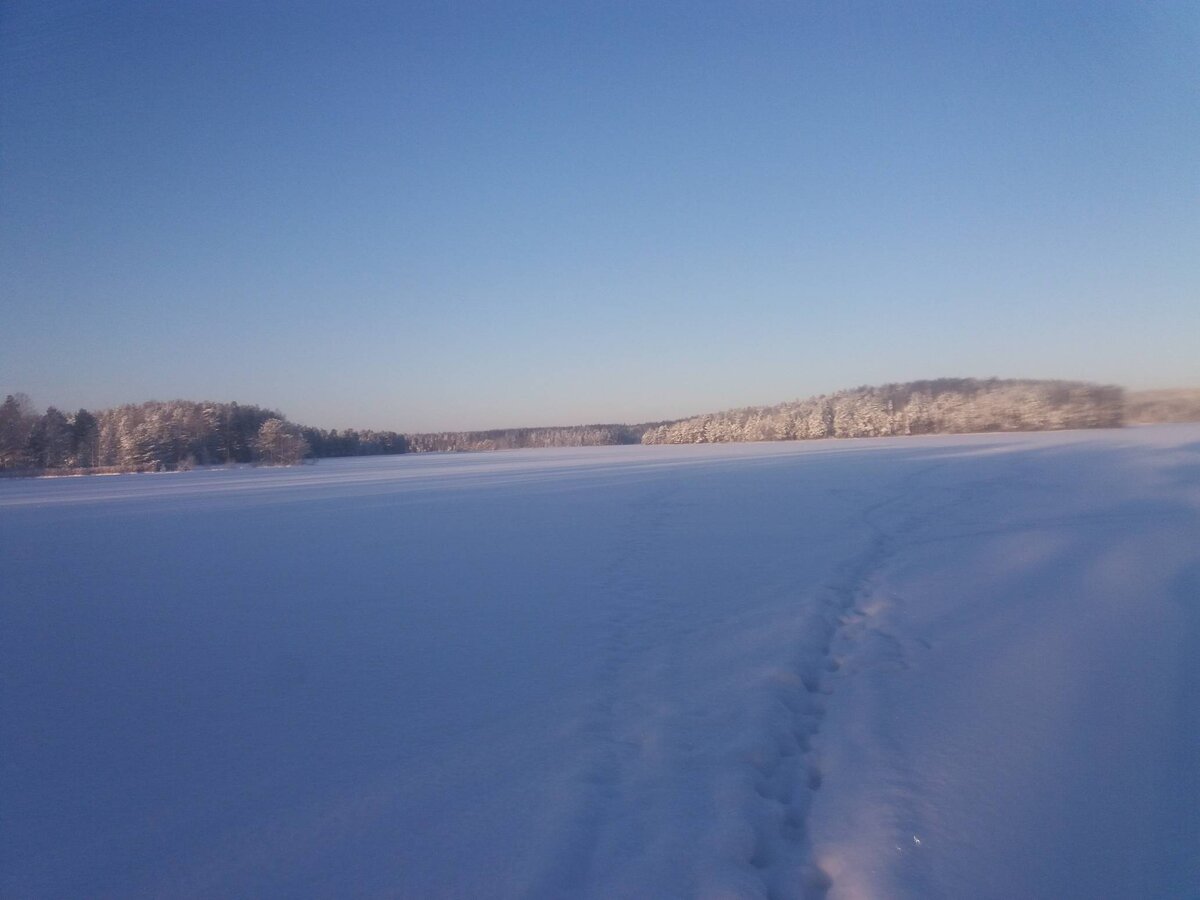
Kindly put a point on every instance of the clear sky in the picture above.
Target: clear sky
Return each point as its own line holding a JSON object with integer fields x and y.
{"x": 421, "y": 216}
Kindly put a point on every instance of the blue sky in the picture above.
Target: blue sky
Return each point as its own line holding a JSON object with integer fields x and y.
{"x": 455, "y": 215}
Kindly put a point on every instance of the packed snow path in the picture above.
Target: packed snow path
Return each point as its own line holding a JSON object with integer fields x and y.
{"x": 924, "y": 667}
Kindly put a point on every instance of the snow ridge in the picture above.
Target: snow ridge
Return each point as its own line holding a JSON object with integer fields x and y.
{"x": 787, "y": 767}
{"x": 644, "y": 727}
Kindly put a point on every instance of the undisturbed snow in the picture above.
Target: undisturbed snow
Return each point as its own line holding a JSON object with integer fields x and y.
{"x": 925, "y": 667}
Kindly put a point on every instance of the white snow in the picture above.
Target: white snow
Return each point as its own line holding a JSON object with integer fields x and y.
{"x": 915, "y": 667}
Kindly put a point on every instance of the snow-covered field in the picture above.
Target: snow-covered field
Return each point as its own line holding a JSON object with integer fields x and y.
{"x": 960, "y": 667}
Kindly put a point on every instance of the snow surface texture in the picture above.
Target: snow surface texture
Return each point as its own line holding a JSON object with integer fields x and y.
{"x": 963, "y": 667}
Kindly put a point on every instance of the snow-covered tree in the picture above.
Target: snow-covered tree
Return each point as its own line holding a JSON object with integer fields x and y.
{"x": 279, "y": 444}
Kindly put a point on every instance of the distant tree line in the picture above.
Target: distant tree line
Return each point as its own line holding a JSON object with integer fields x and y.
{"x": 180, "y": 434}
{"x": 522, "y": 438}
{"x": 349, "y": 442}
{"x": 1171, "y": 405}
{"x": 949, "y": 405}
{"x": 46, "y": 441}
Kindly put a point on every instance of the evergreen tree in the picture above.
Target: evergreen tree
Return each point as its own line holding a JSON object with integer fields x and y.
{"x": 85, "y": 439}
{"x": 50, "y": 440}
{"x": 16, "y": 425}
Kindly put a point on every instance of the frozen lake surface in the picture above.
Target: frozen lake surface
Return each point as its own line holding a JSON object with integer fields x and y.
{"x": 899, "y": 668}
